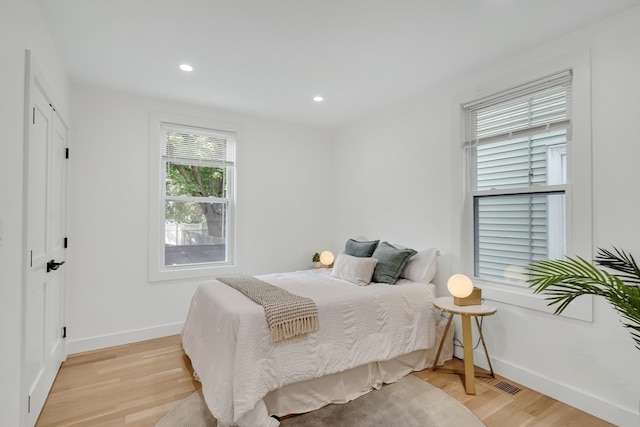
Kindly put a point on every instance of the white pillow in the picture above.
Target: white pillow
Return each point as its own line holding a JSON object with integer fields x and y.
{"x": 422, "y": 267}
{"x": 355, "y": 270}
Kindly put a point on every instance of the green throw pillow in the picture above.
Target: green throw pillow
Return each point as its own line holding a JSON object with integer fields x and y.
{"x": 360, "y": 249}
{"x": 391, "y": 261}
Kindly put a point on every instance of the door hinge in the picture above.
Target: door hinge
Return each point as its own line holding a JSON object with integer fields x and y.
{"x": 64, "y": 332}
{"x": 31, "y": 259}
{"x": 66, "y": 153}
{"x": 33, "y": 114}
{"x": 29, "y": 404}
{"x": 66, "y": 242}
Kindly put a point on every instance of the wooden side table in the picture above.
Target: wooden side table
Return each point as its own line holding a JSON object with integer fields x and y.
{"x": 446, "y": 304}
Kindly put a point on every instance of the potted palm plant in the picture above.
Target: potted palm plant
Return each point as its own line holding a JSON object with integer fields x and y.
{"x": 565, "y": 280}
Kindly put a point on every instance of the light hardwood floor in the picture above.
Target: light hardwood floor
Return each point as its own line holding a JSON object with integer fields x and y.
{"x": 136, "y": 384}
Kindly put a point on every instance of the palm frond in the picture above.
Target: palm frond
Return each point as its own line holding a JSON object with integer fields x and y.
{"x": 620, "y": 261}
{"x": 562, "y": 281}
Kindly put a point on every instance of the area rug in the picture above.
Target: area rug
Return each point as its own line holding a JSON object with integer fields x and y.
{"x": 408, "y": 402}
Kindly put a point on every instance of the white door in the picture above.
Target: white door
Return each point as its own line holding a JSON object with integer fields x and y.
{"x": 45, "y": 200}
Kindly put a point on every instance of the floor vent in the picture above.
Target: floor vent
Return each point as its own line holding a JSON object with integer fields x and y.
{"x": 502, "y": 385}
{"x": 507, "y": 388}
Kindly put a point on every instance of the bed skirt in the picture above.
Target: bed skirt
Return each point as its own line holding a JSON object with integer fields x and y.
{"x": 342, "y": 387}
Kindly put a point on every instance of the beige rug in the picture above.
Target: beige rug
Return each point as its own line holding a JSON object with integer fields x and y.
{"x": 408, "y": 402}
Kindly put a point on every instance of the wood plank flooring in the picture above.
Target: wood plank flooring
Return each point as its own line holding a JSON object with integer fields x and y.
{"x": 136, "y": 384}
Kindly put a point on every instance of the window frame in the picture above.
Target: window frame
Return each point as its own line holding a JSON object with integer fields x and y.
{"x": 577, "y": 190}
{"x": 157, "y": 188}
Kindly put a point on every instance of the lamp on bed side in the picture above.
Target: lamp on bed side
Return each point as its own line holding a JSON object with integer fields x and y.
{"x": 326, "y": 259}
{"x": 463, "y": 291}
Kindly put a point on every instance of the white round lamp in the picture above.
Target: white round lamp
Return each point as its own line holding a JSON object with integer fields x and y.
{"x": 461, "y": 287}
{"x": 326, "y": 259}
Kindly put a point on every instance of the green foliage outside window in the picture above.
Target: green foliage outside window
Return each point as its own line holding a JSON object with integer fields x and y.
{"x": 191, "y": 172}
{"x": 193, "y": 181}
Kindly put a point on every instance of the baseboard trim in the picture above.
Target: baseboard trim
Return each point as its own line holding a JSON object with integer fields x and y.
{"x": 608, "y": 411}
{"x": 120, "y": 338}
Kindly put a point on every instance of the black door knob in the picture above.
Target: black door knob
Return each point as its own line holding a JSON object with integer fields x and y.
{"x": 53, "y": 265}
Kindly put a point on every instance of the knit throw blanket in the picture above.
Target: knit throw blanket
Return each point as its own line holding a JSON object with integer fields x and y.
{"x": 288, "y": 315}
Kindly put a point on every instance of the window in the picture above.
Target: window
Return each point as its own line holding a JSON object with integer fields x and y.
{"x": 194, "y": 182}
{"x": 516, "y": 145}
{"x": 525, "y": 176}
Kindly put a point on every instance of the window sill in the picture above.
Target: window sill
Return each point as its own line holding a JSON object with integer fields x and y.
{"x": 191, "y": 272}
{"x": 581, "y": 308}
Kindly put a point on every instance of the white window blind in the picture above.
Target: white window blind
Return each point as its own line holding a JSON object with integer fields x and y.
{"x": 542, "y": 105}
{"x": 512, "y": 140}
{"x": 189, "y": 144}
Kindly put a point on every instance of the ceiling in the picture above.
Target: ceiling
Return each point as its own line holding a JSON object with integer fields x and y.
{"x": 271, "y": 57}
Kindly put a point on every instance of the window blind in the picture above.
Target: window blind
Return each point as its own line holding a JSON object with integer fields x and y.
{"x": 189, "y": 144}
{"x": 538, "y": 106}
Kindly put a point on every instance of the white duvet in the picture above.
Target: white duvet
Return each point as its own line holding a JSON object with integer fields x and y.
{"x": 229, "y": 344}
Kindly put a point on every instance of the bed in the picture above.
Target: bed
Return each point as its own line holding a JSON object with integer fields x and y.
{"x": 368, "y": 336}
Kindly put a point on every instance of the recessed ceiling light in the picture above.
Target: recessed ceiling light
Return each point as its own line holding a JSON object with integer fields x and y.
{"x": 186, "y": 67}
{"x": 318, "y": 98}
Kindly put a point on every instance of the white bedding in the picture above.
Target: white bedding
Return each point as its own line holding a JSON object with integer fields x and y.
{"x": 228, "y": 341}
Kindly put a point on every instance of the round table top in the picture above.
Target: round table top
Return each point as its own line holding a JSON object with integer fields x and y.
{"x": 446, "y": 304}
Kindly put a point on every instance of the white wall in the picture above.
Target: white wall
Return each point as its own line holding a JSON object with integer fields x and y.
{"x": 388, "y": 178}
{"x": 394, "y": 171}
{"x": 21, "y": 27}
{"x": 282, "y": 202}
